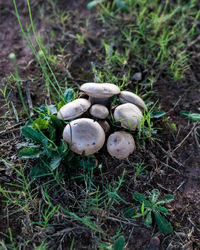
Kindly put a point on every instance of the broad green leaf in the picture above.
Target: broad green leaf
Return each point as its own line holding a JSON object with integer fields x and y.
{"x": 46, "y": 111}
{"x": 121, "y": 5}
{"x": 40, "y": 123}
{"x": 52, "y": 109}
{"x": 42, "y": 111}
{"x": 149, "y": 103}
{"x": 52, "y": 133}
{"x": 35, "y": 136}
{"x": 60, "y": 105}
{"x": 39, "y": 170}
{"x": 57, "y": 124}
{"x": 55, "y": 161}
{"x": 166, "y": 199}
{"x": 70, "y": 156}
{"x": 158, "y": 114}
{"x": 164, "y": 225}
{"x": 162, "y": 209}
{"x": 26, "y": 144}
{"x": 63, "y": 147}
{"x": 139, "y": 197}
{"x": 69, "y": 95}
{"x": 130, "y": 212}
{"x": 48, "y": 153}
{"x": 88, "y": 163}
{"x": 29, "y": 153}
{"x": 140, "y": 214}
{"x": 142, "y": 207}
{"x": 93, "y": 4}
{"x": 119, "y": 243}
{"x": 191, "y": 115}
{"x": 148, "y": 219}
{"x": 154, "y": 195}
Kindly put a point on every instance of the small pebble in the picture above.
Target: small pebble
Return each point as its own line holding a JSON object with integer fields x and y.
{"x": 154, "y": 243}
{"x": 137, "y": 76}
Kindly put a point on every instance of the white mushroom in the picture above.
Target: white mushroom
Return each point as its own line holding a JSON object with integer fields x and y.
{"x": 129, "y": 115}
{"x": 129, "y": 97}
{"x": 99, "y": 92}
{"x": 120, "y": 144}
{"x": 84, "y": 135}
{"x": 74, "y": 109}
{"x": 99, "y": 111}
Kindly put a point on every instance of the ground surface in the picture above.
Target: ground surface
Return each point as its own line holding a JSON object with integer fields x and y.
{"x": 173, "y": 163}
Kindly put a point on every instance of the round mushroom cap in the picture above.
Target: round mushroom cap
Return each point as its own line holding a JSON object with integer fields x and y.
{"x": 84, "y": 135}
{"x": 100, "y": 90}
{"x": 74, "y": 109}
{"x": 99, "y": 111}
{"x": 127, "y": 96}
{"x": 120, "y": 144}
{"x": 129, "y": 115}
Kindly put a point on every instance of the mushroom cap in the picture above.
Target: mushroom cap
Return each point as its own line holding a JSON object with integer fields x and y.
{"x": 84, "y": 135}
{"x": 74, "y": 109}
{"x": 99, "y": 111}
{"x": 100, "y": 90}
{"x": 120, "y": 144}
{"x": 127, "y": 96}
{"x": 129, "y": 115}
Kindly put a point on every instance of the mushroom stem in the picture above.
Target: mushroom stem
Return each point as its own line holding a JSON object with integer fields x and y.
{"x": 97, "y": 100}
{"x": 105, "y": 125}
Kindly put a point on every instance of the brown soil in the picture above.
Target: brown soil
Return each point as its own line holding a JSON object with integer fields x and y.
{"x": 173, "y": 163}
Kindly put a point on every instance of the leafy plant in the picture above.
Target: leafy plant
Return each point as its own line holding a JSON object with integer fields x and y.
{"x": 43, "y": 148}
{"x": 44, "y": 139}
{"x": 152, "y": 207}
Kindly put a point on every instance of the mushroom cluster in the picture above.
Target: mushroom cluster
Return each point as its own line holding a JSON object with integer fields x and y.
{"x": 87, "y": 134}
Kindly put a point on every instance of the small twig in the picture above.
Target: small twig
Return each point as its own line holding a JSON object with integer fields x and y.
{"x": 183, "y": 182}
{"x": 194, "y": 41}
{"x": 166, "y": 165}
{"x": 161, "y": 186}
{"x": 7, "y": 142}
{"x": 180, "y": 144}
{"x": 15, "y": 112}
{"x": 10, "y": 128}
{"x": 121, "y": 220}
{"x": 175, "y": 104}
{"x": 64, "y": 231}
{"x": 169, "y": 155}
{"x": 196, "y": 135}
{"x": 30, "y": 104}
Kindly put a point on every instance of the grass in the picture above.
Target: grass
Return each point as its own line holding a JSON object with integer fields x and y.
{"x": 66, "y": 203}
{"x": 154, "y": 36}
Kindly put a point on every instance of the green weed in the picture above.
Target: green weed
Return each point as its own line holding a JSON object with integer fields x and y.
{"x": 149, "y": 207}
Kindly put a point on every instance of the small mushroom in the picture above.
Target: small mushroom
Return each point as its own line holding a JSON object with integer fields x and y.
{"x": 105, "y": 125}
{"x": 120, "y": 144}
{"x": 99, "y": 111}
{"x": 84, "y": 135}
{"x": 129, "y": 115}
{"x": 74, "y": 109}
{"x": 99, "y": 92}
{"x": 127, "y": 96}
